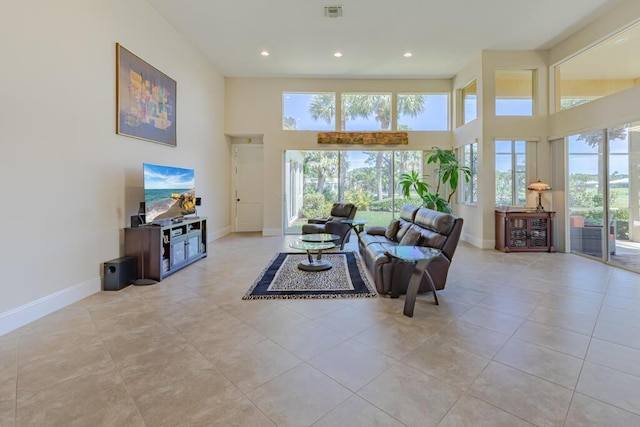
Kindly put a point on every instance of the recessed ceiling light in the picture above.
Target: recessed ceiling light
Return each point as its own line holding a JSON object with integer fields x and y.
{"x": 337, "y": 54}
{"x": 264, "y": 53}
{"x": 622, "y": 40}
{"x": 408, "y": 54}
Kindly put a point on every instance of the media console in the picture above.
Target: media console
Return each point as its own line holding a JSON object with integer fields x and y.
{"x": 166, "y": 247}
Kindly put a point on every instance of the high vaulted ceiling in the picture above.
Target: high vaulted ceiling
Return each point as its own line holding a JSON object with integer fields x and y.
{"x": 372, "y": 35}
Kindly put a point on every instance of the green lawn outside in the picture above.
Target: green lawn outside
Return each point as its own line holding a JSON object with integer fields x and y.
{"x": 372, "y": 218}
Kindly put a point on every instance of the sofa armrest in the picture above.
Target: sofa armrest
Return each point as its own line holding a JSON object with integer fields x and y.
{"x": 376, "y": 230}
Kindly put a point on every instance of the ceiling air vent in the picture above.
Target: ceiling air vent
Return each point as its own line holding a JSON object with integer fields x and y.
{"x": 333, "y": 11}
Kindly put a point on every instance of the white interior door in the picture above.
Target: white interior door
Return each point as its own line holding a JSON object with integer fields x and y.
{"x": 249, "y": 187}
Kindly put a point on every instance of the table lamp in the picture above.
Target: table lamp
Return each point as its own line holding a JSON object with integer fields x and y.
{"x": 539, "y": 186}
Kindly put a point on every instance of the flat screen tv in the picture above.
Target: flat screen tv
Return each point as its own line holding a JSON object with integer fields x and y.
{"x": 169, "y": 192}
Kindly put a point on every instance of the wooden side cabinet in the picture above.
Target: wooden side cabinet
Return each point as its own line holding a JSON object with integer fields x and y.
{"x": 524, "y": 231}
{"x": 162, "y": 250}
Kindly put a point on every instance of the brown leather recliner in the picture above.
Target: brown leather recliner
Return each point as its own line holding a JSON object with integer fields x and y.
{"x": 332, "y": 224}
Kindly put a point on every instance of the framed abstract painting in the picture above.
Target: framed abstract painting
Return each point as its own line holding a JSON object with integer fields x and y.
{"x": 146, "y": 100}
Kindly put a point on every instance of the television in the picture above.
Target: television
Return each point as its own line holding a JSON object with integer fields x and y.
{"x": 169, "y": 192}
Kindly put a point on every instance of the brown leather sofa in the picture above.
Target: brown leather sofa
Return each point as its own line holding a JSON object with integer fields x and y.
{"x": 332, "y": 224}
{"x": 416, "y": 227}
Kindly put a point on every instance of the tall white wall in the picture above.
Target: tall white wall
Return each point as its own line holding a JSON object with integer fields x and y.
{"x": 531, "y": 128}
{"x": 467, "y": 134}
{"x": 69, "y": 182}
{"x": 254, "y": 107}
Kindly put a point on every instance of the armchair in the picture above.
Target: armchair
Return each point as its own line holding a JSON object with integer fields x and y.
{"x": 332, "y": 224}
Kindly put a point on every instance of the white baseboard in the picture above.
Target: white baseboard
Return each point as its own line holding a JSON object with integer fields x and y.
{"x": 272, "y": 231}
{"x": 472, "y": 240}
{"x": 218, "y": 234}
{"x": 20, "y": 316}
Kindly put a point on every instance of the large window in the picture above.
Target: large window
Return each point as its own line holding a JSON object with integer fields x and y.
{"x": 469, "y": 190}
{"x": 362, "y": 111}
{"x": 318, "y": 178}
{"x": 309, "y": 111}
{"x": 365, "y": 111}
{"x": 511, "y": 173}
{"x": 606, "y": 68}
{"x": 469, "y": 100}
{"x": 423, "y": 111}
{"x": 514, "y": 92}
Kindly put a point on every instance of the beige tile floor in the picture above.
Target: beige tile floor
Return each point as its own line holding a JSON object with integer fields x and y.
{"x": 518, "y": 340}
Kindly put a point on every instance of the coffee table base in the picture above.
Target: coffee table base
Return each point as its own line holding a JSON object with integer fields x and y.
{"x": 315, "y": 265}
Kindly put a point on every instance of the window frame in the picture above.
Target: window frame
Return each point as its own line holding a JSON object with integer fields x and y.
{"x": 532, "y": 94}
{"x": 329, "y": 129}
{"x": 338, "y": 110}
{"x": 468, "y": 194}
{"x": 513, "y": 153}
{"x": 427, "y": 94}
{"x": 462, "y": 97}
{"x": 342, "y": 111}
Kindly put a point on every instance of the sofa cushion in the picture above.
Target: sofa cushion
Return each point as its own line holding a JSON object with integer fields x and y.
{"x": 437, "y": 222}
{"x": 367, "y": 239}
{"x": 392, "y": 229}
{"x": 411, "y": 238}
{"x": 408, "y": 212}
{"x": 432, "y": 239}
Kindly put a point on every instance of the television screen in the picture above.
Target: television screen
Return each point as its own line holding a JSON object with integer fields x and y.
{"x": 169, "y": 192}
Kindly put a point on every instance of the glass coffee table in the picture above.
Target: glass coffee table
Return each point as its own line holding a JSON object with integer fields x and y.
{"x": 420, "y": 256}
{"x": 315, "y": 243}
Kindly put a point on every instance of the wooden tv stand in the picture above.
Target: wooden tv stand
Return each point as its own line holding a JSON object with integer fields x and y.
{"x": 166, "y": 247}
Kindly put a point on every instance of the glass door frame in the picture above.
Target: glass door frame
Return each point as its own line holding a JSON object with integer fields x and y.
{"x": 290, "y": 222}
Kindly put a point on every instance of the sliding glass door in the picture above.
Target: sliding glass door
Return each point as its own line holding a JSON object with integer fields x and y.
{"x": 604, "y": 193}
{"x": 586, "y": 193}
{"x": 314, "y": 180}
{"x": 624, "y": 194}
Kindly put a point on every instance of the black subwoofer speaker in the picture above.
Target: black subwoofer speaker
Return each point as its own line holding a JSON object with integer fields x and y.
{"x": 119, "y": 273}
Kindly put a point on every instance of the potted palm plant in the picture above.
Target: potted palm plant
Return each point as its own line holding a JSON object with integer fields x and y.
{"x": 448, "y": 170}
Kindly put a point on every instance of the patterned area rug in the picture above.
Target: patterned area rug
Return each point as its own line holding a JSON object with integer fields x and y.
{"x": 283, "y": 279}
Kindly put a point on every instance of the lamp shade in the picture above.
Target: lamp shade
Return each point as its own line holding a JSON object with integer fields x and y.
{"x": 539, "y": 186}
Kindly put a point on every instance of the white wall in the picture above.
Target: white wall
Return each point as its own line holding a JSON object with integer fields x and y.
{"x": 466, "y": 134}
{"x": 71, "y": 183}
{"x": 254, "y": 107}
{"x": 532, "y": 128}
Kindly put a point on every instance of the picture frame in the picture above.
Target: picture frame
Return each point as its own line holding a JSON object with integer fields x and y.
{"x": 145, "y": 100}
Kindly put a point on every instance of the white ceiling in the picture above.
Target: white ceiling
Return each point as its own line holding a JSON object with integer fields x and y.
{"x": 443, "y": 35}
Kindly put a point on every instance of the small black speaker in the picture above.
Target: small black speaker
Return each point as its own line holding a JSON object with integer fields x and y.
{"x": 119, "y": 273}
{"x": 198, "y": 201}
